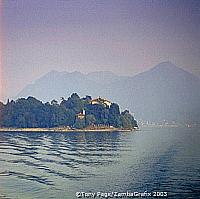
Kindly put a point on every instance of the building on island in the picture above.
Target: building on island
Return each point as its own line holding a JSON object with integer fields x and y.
{"x": 100, "y": 100}
{"x": 81, "y": 115}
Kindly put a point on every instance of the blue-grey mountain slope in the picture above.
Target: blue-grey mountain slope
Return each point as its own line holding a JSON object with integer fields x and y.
{"x": 165, "y": 92}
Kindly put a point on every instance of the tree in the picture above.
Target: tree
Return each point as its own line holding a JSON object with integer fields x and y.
{"x": 128, "y": 120}
{"x": 99, "y": 111}
{"x": 114, "y": 115}
{"x": 90, "y": 120}
{"x": 1, "y": 113}
{"x": 80, "y": 123}
{"x": 31, "y": 112}
{"x": 74, "y": 102}
{"x": 54, "y": 102}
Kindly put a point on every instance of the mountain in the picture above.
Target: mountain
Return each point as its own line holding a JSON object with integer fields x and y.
{"x": 165, "y": 92}
{"x": 104, "y": 77}
{"x": 58, "y": 84}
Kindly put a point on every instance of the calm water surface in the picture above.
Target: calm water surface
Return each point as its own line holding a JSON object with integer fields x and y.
{"x": 57, "y": 165}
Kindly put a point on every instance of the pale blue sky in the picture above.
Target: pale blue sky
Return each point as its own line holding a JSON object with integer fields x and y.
{"x": 126, "y": 37}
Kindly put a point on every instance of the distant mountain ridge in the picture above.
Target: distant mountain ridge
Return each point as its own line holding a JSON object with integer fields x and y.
{"x": 165, "y": 92}
{"x": 55, "y": 84}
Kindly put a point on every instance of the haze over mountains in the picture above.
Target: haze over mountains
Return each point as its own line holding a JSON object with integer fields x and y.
{"x": 164, "y": 92}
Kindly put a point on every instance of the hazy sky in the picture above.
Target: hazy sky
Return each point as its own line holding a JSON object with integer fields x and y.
{"x": 126, "y": 37}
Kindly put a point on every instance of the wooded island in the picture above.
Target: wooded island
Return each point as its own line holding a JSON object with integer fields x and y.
{"x": 75, "y": 112}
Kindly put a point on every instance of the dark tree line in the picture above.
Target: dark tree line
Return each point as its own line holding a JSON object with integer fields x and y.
{"x": 30, "y": 112}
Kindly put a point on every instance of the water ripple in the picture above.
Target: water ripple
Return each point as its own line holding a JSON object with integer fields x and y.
{"x": 55, "y": 165}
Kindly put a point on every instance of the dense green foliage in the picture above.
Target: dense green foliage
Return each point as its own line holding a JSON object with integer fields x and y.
{"x": 31, "y": 112}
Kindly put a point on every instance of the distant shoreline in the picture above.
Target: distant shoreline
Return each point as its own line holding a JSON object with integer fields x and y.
{"x": 63, "y": 130}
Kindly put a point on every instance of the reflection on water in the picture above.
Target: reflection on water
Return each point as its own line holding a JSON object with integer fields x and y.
{"x": 56, "y": 165}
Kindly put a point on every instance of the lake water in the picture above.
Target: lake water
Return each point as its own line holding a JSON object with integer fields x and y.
{"x": 57, "y": 165}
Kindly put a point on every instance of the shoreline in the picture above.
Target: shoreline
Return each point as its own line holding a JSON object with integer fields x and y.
{"x": 63, "y": 130}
